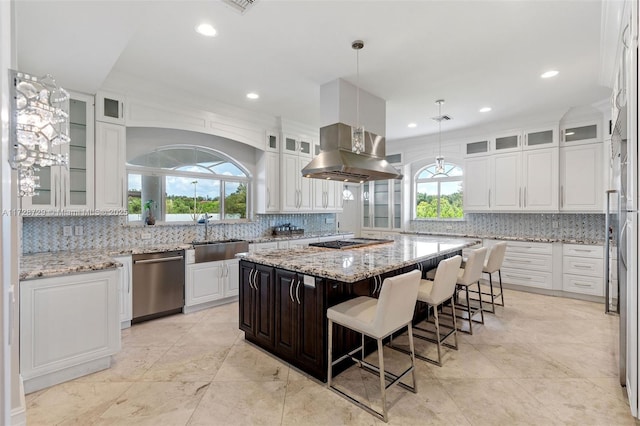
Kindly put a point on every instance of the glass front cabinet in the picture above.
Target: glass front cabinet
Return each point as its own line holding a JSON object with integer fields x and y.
{"x": 382, "y": 205}
{"x": 70, "y": 188}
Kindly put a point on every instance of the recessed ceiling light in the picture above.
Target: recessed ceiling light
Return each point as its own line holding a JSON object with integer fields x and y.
{"x": 485, "y": 109}
{"x": 206, "y": 30}
{"x": 253, "y": 95}
{"x": 549, "y": 74}
{"x": 412, "y": 125}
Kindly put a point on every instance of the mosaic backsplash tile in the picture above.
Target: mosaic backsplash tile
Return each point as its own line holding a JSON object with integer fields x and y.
{"x": 41, "y": 234}
{"x": 561, "y": 226}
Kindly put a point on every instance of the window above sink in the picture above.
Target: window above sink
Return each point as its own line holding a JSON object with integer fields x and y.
{"x": 183, "y": 183}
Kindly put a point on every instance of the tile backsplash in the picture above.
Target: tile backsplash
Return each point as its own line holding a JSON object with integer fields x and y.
{"x": 561, "y": 226}
{"x": 41, "y": 234}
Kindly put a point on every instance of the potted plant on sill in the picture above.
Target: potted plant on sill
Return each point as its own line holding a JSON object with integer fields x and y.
{"x": 150, "y": 219}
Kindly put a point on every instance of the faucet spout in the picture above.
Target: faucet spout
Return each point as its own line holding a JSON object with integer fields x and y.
{"x": 206, "y": 226}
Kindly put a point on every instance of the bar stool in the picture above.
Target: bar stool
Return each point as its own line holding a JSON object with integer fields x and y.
{"x": 468, "y": 276}
{"x": 491, "y": 266}
{"x": 435, "y": 293}
{"x": 377, "y": 318}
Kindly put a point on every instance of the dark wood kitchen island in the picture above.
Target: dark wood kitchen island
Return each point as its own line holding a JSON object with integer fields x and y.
{"x": 284, "y": 294}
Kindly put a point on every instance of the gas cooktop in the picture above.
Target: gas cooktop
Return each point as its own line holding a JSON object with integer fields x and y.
{"x": 350, "y": 243}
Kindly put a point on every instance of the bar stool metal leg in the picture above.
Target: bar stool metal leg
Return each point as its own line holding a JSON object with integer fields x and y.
{"x": 437, "y": 324}
{"x": 466, "y": 288}
{"x": 413, "y": 359}
{"x": 455, "y": 325}
{"x": 383, "y": 383}
{"x": 330, "y": 350}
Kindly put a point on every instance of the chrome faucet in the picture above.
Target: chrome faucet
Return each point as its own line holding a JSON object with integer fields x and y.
{"x": 206, "y": 226}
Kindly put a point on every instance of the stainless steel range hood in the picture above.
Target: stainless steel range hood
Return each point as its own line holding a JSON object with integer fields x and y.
{"x": 337, "y": 161}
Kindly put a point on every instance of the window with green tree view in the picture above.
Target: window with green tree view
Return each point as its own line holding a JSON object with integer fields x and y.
{"x": 183, "y": 183}
{"x": 439, "y": 196}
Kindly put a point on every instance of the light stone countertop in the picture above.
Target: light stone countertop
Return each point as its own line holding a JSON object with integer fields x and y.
{"x": 52, "y": 264}
{"x": 352, "y": 265}
{"x": 511, "y": 238}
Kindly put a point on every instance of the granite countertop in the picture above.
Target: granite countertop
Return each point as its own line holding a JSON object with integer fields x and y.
{"x": 296, "y": 236}
{"x": 511, "y": 238}
{"x": 52, "y": 264}
{"x": 359, "y": 263}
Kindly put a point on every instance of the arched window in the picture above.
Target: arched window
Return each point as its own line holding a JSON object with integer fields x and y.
{"x": 182, "y": 183}
{"x": 438, "y": 196}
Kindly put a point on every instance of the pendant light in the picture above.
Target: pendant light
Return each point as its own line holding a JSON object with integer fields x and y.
{"x": 357, "y": 137}
{"x": 440, "y": 172}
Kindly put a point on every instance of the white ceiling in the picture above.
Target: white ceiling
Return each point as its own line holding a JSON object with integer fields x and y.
{"x": 471, "y": 53}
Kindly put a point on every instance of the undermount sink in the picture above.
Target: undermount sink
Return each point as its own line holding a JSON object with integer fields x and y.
{"x": 210, "y": 251}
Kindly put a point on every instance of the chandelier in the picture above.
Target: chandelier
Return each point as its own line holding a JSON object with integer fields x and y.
{"x": 40, "y": 119}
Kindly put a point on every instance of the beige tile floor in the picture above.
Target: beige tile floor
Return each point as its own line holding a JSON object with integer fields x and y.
{"x": 540, "y": 360}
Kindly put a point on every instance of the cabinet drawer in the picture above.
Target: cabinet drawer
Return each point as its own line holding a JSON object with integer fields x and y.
{"x": 581, "y": 266}
{"x": 528, "y": 248}
{"x": 527, "y": 278}
{"x": 533, "y": 262}
{"x": 582, "y": 250}
{"x": 523, "y": 247}
{"x": 582, "y": 284}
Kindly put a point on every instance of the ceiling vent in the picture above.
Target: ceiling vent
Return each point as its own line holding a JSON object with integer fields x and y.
{"x": 240, "y": 5}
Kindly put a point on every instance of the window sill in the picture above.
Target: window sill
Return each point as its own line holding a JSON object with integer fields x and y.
{"x": 141, "y": 224}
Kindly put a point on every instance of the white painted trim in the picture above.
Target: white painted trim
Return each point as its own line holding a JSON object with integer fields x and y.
{"x": 195, "y": 308}
{"x": 19, "y": 413}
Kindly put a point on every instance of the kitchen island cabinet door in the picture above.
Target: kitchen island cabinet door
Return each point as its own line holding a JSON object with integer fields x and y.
{"x": 286, "y": 313}
{"x": 256, "y": 306}
{"x": 311, "y": 350}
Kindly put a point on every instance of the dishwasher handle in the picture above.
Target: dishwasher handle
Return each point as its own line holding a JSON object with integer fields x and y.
{"x": 159, "y": 260}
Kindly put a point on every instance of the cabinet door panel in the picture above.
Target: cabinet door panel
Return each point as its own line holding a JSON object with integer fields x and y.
{"x": 232, "y": 282}
{"x": 476, "y": 184}
{"x": 264, "y": 306}
{"x": 581, "y": 183}
{"x": 506, "y": 182}
{"x": 310, "y": 329}
{"x": 246, "y": 314}
{"x": 286, "y": 312}
{"x": 541, "y": 180}
{"x": 110, "y": 160}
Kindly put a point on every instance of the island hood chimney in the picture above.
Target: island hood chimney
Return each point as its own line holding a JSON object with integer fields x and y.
{"x": 337, "y": 161}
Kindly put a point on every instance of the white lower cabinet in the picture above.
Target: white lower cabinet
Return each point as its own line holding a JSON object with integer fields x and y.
{"x": 69, "y": 327}
{"x": 210, "y": 281}
{"x": 583, "y": 269}
{"x": 527, "y": 264}
{"x": 124, "y": 291}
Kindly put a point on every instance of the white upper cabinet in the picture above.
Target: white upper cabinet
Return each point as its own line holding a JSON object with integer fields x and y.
{"x": 542, "y": 137}
{"x": 581, "y": 178}
{"x": 268, "y": 183}
{"x": 508, "y": 141}
{"x": 272, "y": 141}
{"x": 300, "y": 145}
{"x": 506, "y": 183}
{"x": 111, "y": 178}
{"x": 110, "y": 108}
{"x": 477, "y": 147}
{"x": 70, "y": 188}
{"x": 477, "y": 188}
{"x": 581, "y": 133}
{"x": 295, "y": 190}
{"x": 327, "y": 195}
{"x": 540, "y": 184}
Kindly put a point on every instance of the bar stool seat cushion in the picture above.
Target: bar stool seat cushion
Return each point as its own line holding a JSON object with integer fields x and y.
{"x": 424, "y": 292}
{"x": 356, "y": 314}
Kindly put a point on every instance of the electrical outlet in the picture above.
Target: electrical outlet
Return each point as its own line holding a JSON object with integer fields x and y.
{"x": 449, "y": 227}
{"x": 78, "y": 230}
{"x": 330, "y": 220}
{"x": 145, "y": 235}
{"x": 554, "y": 224}
{"x": 67, "y": 231}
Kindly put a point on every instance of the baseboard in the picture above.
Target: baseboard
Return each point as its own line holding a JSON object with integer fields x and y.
{"x": 19, "y": 414}
{"x": 55, "y": 377}
{"x": 207, "y": 305}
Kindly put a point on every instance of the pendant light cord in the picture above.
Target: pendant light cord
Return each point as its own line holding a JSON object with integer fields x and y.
{"x": 358, "y": 88}
{"x": 440, "y": 129}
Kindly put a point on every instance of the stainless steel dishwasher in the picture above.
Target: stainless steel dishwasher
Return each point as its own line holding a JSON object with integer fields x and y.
{"x": 158, "y": 284}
